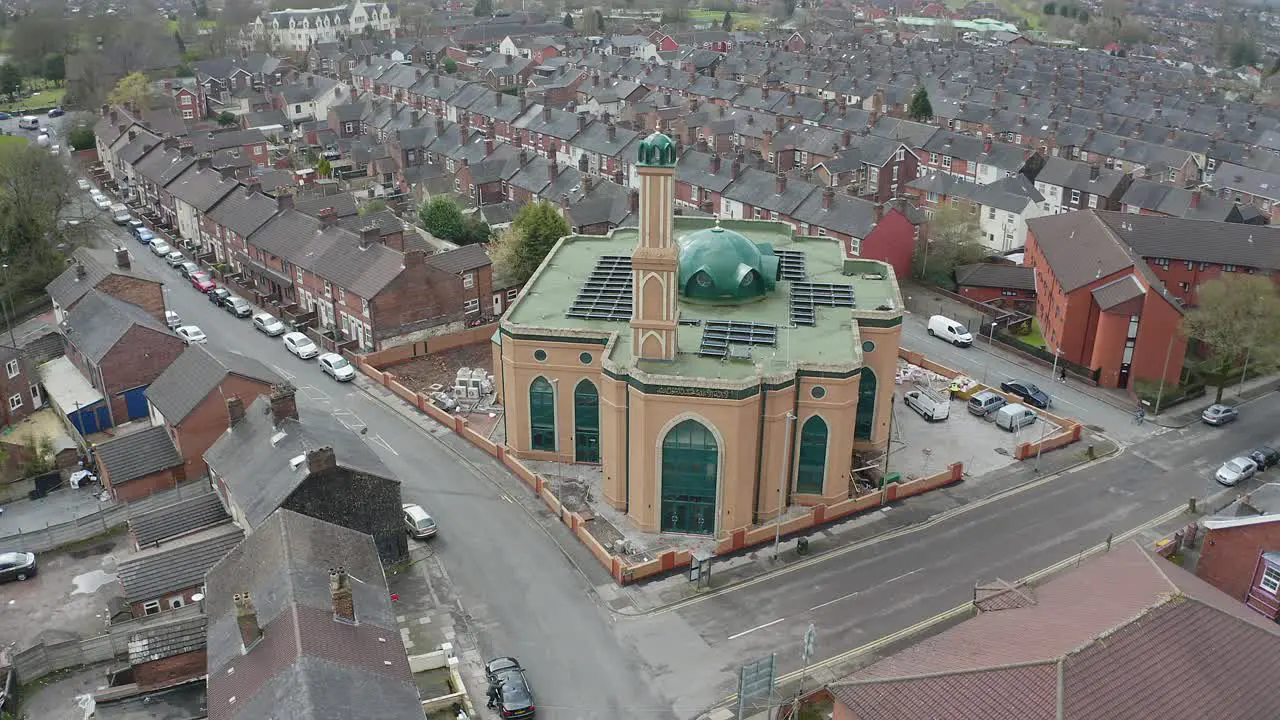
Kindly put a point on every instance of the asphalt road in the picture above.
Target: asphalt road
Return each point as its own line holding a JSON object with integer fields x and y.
{"x": 520, "y": 593}
{"x": 877, "y": 590}
{"x": 994, "y": 366}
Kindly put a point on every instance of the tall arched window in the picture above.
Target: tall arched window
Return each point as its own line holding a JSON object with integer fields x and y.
{"x": 812, "y": 468}
{"x": 586, "y": 422}
{"x": 690, "y": 472}
{"x": 542, "y": 415}
{"x": 865, "y": 421}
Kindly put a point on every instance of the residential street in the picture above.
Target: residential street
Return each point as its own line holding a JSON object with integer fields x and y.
{"x": 519, "y": 593}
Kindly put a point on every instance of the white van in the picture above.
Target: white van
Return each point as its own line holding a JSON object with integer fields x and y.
{"x": 29, "y": 122}
{"x": 1015, "y": 417}
{"x": 953, "y": 332}
{"x": 932, "y": 406}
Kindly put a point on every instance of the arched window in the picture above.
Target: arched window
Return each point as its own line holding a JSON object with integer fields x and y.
{"x": 586, "y": 422}
{"x": 542, "y": 415}
{"x": 690, "y": 471}
{"x": 812, "y": 467}
{"x": 866, "y": 418}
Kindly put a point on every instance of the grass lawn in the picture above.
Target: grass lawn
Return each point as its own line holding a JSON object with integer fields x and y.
{"x": 43, "y": 99}
{"x": 741, "y": 21}
{"x": 12, "y": 140}
{"x": 204, "y": 25}
{"x": 1035, "y": 337}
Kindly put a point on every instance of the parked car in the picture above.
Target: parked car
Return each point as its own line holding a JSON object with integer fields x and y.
{"x": 160, "y": 248}
{"x": 218, "y": 295}
{"x": 175, "y": 258}
{"x": 337, "y": 367}
{"x": 188, "y": 268}
{"x": 144, "y": 235}
{"x": 191, "y": 335}
{"x": 172, "y": 319}
{"x": 102, "y": 202}
{"x": 201, "y": 281}
{"x": 515, "y": 697}
{"x": 300, "y": 345}
{"x": 269, "y": 324}
{"x": 953, "y": 332}
{"x": 931, "y": 405}
{"x": 1029, "y": 393}
{"x": 5, "y": 116}
{"x": 1265, "y": 457}
{"x": 417, "y": 522}
{"x": 237, "y": 306}
{"x": 1235, "y": 470}
{"x": 17, "y": 566}
{"x": 1218, "y": 414}
{"x": 57, "y": 112}
{"x": 121, "y": 217}
{"x": 1015, "y": 417}
{"x": 986, "y": 402}
{"x": 135, "y": 224}
{"x": 84, "y": 184}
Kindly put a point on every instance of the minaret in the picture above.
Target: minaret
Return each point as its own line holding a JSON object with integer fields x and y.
{"x": 654, "y": 264}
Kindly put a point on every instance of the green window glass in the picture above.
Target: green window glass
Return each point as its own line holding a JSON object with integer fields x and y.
{"x": 542, "y": 415}
{"x": 865, "y": 421}
{"x": 690, "y": 469}
{"x": 812, "y": 468}
{"x": 586, "y": 423}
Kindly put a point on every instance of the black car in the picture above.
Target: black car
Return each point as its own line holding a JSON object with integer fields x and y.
{"x": 17, "y": 566}
{"x": 1265, "y": 457}
{"x": 1029, "y": 393}
{"x": 218, "y": 296}
{"x": 511, "y": 688}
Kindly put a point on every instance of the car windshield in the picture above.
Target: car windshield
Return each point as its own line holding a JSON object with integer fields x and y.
{"x": 424, "y": 523}
{"x": 515, "y": 693}
{"x": 339, "y": 363}
{"x": 1236, "y": 465}
{"x": 10, "y": 558}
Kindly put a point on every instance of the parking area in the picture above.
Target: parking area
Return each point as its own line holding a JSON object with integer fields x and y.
{"x": 68, "y": 597}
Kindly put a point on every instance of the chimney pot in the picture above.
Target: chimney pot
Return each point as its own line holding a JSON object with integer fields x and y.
{"x": 552, "y": 171}
{"x": 235, "y": 410}
{"x": 370, "y": 235}
{"x": 546, "y": 113}
{"x": 828, "y": 194}
{"x": 879, "y": 212}
{"x": 284, "y": 405}
{"x": 344, "y": 609}
{"x": 781, "y": 179}
{"x": 321, "y": 459}
{"x": 247, "y": 620}
{"x": 284, "y": 201}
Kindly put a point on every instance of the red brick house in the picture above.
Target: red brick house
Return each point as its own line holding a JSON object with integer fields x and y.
{"x": 139, "y": 463}
{"x": 166, "y": 576}
{"x": 997, "y": 283}
{"x": 472, "y": 269}
{"x": 192, "y": 398}
{"x": 110, "y": 273}
{"x": 1231, "y": 552}
{"x": 169, "y": 653}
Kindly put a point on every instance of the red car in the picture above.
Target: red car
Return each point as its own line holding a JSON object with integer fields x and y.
{"x": 202, "y": 282}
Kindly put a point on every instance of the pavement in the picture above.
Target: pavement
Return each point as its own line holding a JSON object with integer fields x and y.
{"x": 62, "y": 505}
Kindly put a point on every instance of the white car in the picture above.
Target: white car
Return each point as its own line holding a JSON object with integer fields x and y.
{"x": 300, "y": 345}
{"x": 84, "y": 184}
{"x": 102, "y": 202}
{"x": 337, "y": 367}
{"x": 1235, "y": 470}
{"x": 191, "y": 334}
{"x": 160, "y": 247}
{"x": 269, "y": 324}
{"x": 172, "y": 319}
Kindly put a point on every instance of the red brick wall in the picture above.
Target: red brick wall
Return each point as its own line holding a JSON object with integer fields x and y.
{"x": 1229, "y": 557}
{"x": 145, "y": 294}
{"x": 420, "y": 297}
{"x": 202, "y": 427}
{"x": 986, "y": 294}
{"x": 143, "y": 486}
{"x": 137, "y": 360}
{"x": 892, "y": 241}
{"x": 170, "y": 670}
{"x": 186, "y": 593}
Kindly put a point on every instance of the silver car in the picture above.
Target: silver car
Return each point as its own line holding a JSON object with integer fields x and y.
{"x": 1218, "y": 414}
{"x": 269, "y": 324}
{"x": 337, "y": 367}
{"x": 1236, "y": 470}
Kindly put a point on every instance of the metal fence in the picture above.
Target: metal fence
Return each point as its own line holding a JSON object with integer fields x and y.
{"x": 108, "y": 515}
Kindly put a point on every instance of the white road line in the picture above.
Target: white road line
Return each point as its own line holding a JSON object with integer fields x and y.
{"x": 314, "y": 393}
{"x": 859, "y": 592}
{"x": 378, "y": 439}
{"x": 758, "y": 627}
{"x": 283, "y": 373}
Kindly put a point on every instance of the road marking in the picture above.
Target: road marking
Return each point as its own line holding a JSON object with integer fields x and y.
{"x": 758, "y": 627}
{"x": 379, "y": 440}
{"x": 314, "y": 393}
{"x": 859, "y": 592}
{"x": 283, "y": 373}
{"x": 349, "y": 419}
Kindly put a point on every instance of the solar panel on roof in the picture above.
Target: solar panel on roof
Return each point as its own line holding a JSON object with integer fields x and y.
{"x": 606, "y": 295}
{"x": 719, "y": 335}
{"x": 806, "y": 297}
{"x": 792, "y": 264}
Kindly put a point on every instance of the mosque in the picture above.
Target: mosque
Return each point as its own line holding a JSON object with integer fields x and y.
{"x": 717, "y": 371}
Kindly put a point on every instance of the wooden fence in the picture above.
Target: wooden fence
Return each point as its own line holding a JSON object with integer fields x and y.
{"x": 107, "y": 516}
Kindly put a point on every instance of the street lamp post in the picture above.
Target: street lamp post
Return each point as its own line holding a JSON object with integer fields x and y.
{"x": 991, "y": 341}
{"x": 1245, "y": 371}
{"x": 1044, "y": 427}
{"x": 8, "y": 313}
{"x": 1160, "y": 393}
{"x": 782, "y": 485}
{"x": 1057, "y": 355}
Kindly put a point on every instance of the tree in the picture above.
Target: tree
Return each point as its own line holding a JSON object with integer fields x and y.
{"x": 523, "y": 247}
{"x": 952, "y": 239}
{"x": 568, "y": 20}
{"x": 35, "y": 190}
{"x": 373, "y": 206}
{"x": 55, "y": 68}
{"x": 133, "y": 90}
{"x": 37, "y": 455}
{"x": 1238, "y": 316}
{"x": 81, "y": 136}
{"x": 442, "y": 218}
{"x": 474, "y": 230}
{"x": 450, "y": 65}
{"x": 10, "y": 79}
{"x": 226, "y": 119}
{"x": 1050, "y": 8}
{"x": 921, "y": 109}
{"x": 726, "y": 23}
{"x": 592, "y": 21}
{"x": 1243, "y": 52}
{"x": 323, "y": 168}
{"x": 483, "y": 8}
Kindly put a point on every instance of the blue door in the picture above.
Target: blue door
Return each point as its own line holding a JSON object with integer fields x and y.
{"x": 135, "y": 402}
{"x": 92, "y": 419}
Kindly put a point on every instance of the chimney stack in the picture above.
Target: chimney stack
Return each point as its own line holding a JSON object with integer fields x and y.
{"x": 1195, "y": 198}
{"x": 439, "y": 127}
{"x": 828, "y": 194}
{"x": 553, "y": 169}
{"x": 488, "y": 145}
{"x": 1094, "y": 172}
{"x": 344, "y": 609}
{"x": 247, "y": 619}
{"x": 986, "y": 145}
{"x": 736, "y": 167}
{"x": 613, "y": 132}
{"x": 780, "y": 122}
{"x": 370, "y": 235}
{"x": 715, "y": 164}
{"x": 283, "y": 404}
{"x": 879, "y": 212}
{"x": 235, "y": 410}
{"x": 582, "y": 121}
{"x": 122, "y": 258}
{"x": 633, "y": 200}
{"x": 781, "y": 179}
{"x": 328, "y": 217}
{"x": 546, "y": 113}
{"x": 80, "y": 271}
{"x": 321, "y": 459}
{"x": 284, "y": 201}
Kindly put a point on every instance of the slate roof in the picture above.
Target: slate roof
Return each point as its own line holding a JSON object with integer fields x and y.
{"x": 181, "y": 564}
{"x": 997, "y": 275}
{"x": 257, "y": 471}
{"x": 1181, "y": 202}
{"x": 67, "y": 289}
{"x": 226, "y": 139}
{"x": 1151, "y": 236}
{"x": 162, "y": 165}
{"x": 180, "y": 518}
{"x": 138, "y": 454}
{"x": 1076, "y": 175}
{"x": 243, "y": 212}
{"x": 851, "y": 216}
{"x": 454, "y": 262}
{"x": 99, "y": 321}
{"x": 201, "y": 188}
{"x": 760, "y": 189}
{"x": 1245, "y": 179}
{"x": 1118, "y": 292}
{"x": 167, "y": 640}
{"x": 307, "y": 664}
{"x": 1095, "y": 642}
{"x": 1004, "y": 156}
{"x": 1080, "y": 248}
{"x": 311, "y": 203}
{"x": 198, "y": 371}
{"x": 1009, "y": 196}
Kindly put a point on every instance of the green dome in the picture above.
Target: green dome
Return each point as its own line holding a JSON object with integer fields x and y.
{"x": 657, "y": 150}
{"x": 720, "y": 264}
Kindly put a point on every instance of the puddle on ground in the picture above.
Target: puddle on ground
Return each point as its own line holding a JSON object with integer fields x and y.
{"x": 90, "y": 582}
